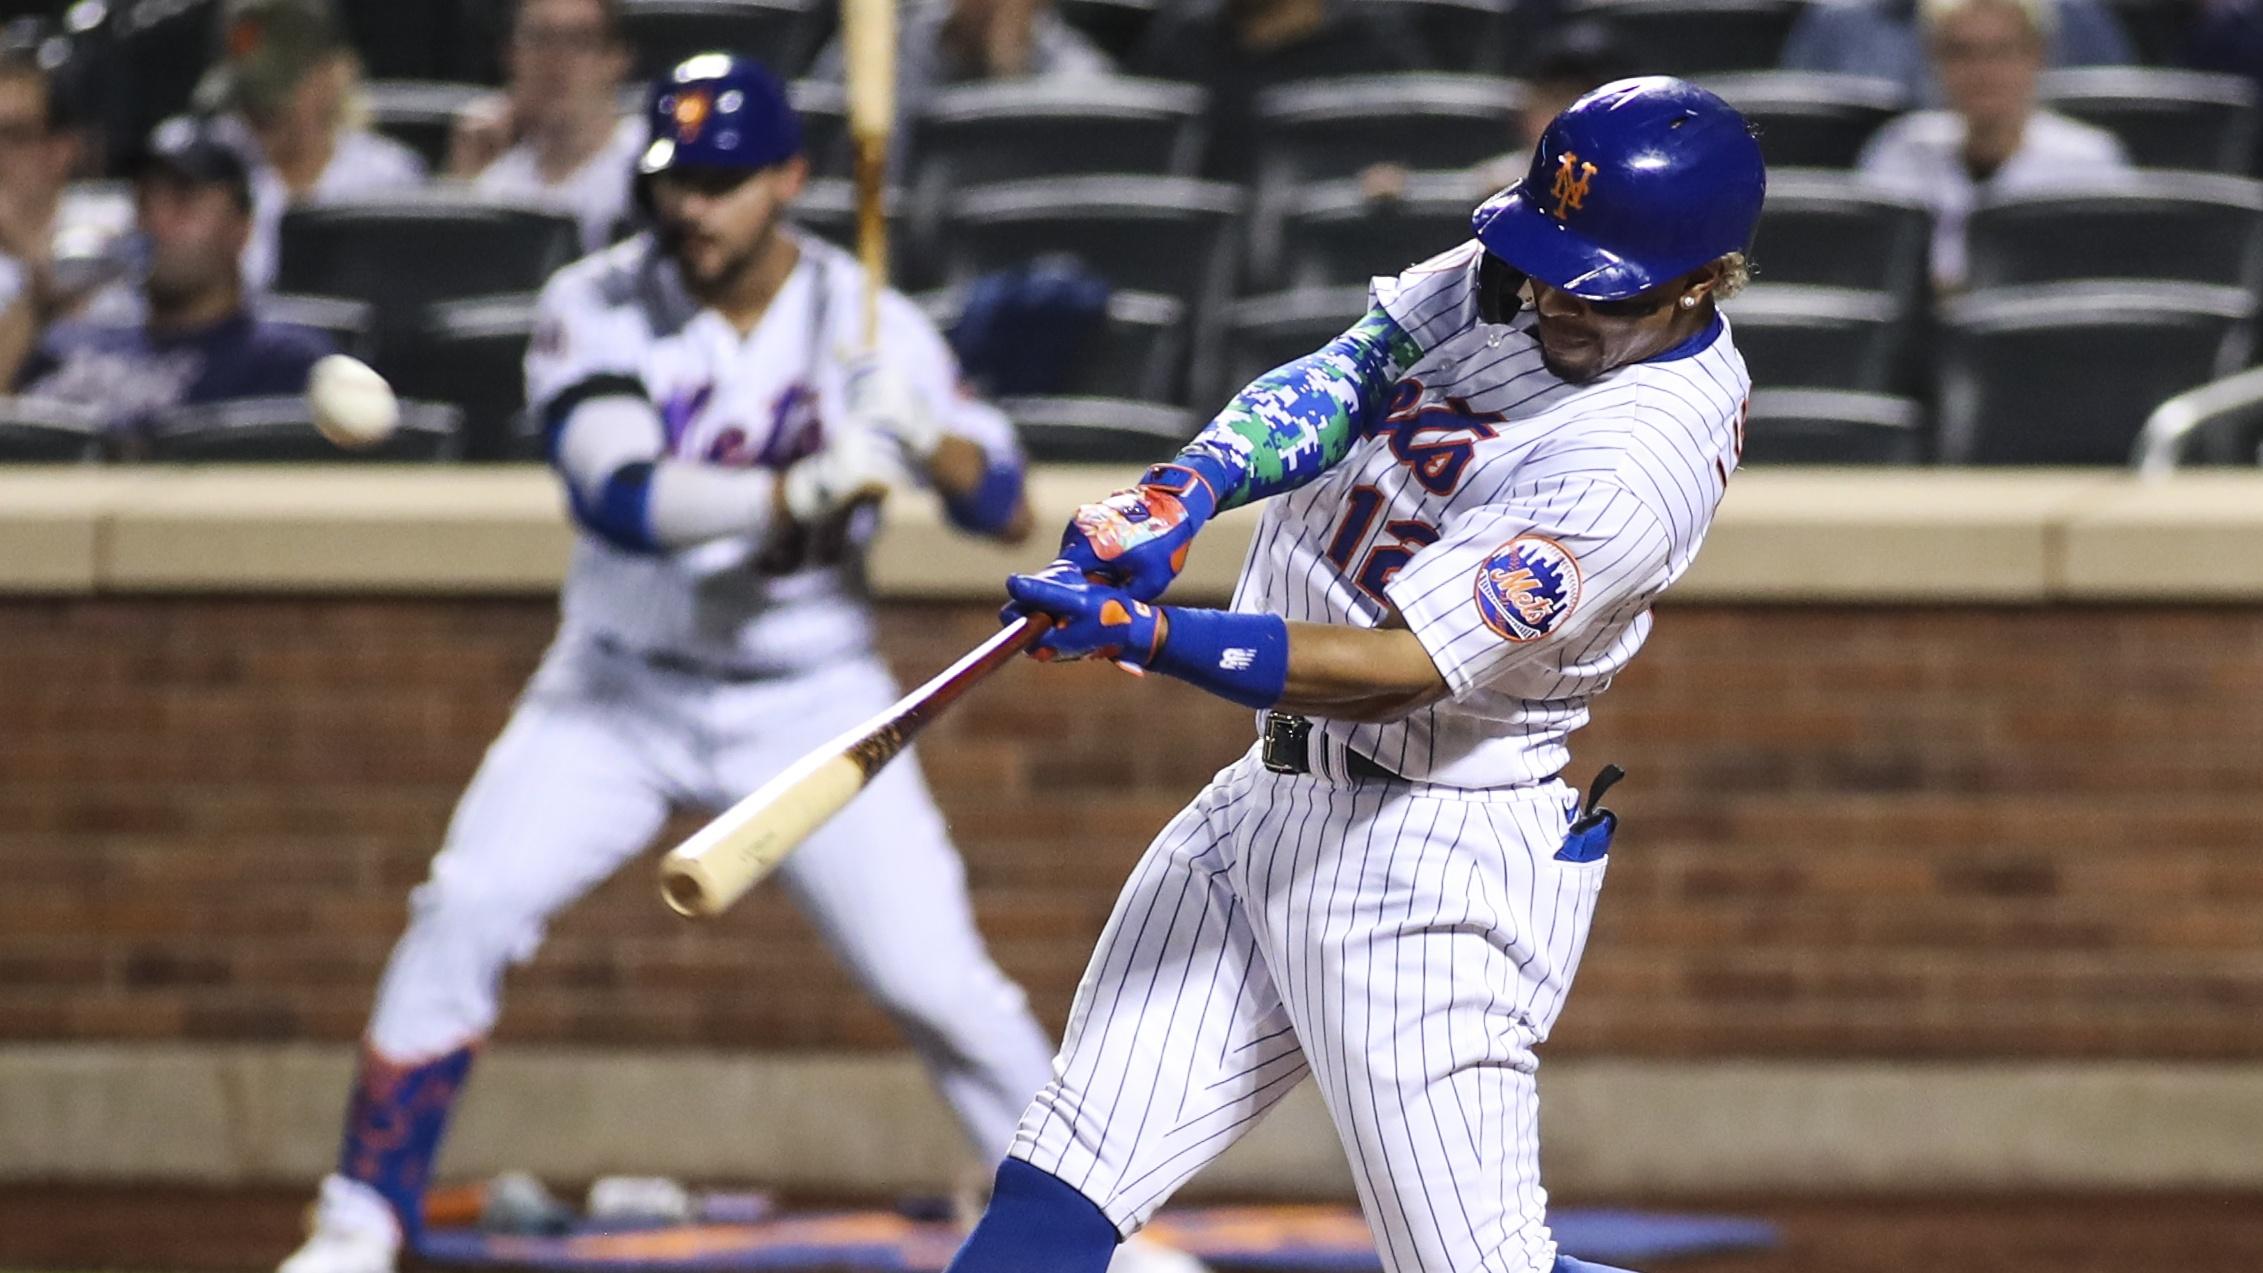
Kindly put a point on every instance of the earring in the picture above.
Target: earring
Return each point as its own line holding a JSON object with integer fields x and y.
{"x": 1689, "y": 302}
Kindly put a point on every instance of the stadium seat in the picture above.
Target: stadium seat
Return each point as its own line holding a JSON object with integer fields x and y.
{"x": 2164, "y": 118}
{"x": 2219, "y": 423}
{"x": 1832, "y": 426}
{"x": 259, "y": 430}
{"x": 2192, "y": 226}
{"x": 1149, "y": 234}
{"x": 1695, "y": 37}
{"x": 1823, "y": 228}
{"x": 1139, "y": 354}
{"x": 824, "y": 111}
{"x": 1335, "y": 235}
{"x": 36, "y": 429}
{"x": 783, "y": 34}
{"x": 350, "y": 325}
{"x": 1263, "y": 332}
{"x": 827, "y": 209}
{"x": 1819, "y": 337}
{"x": 421, "y": 114}
{"x": 2066, "y": 373}
{"x": 1099, "y": 430}
{"x": 471, "y": 354}
{"x": 1015, "y": 129}
{"x": 404, "y": 252}
{"x": 1807, "y": 120}
{"x": 1115, "y": 25}
{"x": 459, "y": 40}
{"x": 1458, "y": 35}
{"x": 1319, "y": 129}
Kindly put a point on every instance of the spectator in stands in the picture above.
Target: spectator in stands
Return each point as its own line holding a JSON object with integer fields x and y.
{"x": 947, "y": 42}
{"x": 1239, "y": 48}
{"x": 1994, "y": 138}
{"x": 555, "y": 135}
{"x": 1881, "y": 39}
{"x": 57, "y": 243}
{"x": 1567, "y": 63}
{"x": 289, "y": 87}
{"x": 193, "y": 204}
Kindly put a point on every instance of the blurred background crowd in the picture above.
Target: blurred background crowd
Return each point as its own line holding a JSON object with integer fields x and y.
{"x": 1998, "y": 231}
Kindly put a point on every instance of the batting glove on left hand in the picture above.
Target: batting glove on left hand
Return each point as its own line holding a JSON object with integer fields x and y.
{"x": 1090, "y": 620}
{"x": 856, "y": 466}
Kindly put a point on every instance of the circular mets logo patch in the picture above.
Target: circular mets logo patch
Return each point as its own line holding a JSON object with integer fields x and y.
{"x": 1527, "y": 586}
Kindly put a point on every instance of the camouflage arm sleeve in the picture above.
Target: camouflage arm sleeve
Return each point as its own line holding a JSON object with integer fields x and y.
{"x": 1296, "y": 421}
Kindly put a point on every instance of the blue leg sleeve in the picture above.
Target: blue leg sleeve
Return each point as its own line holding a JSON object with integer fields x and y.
{"x": 393, "y": 1129}
{"x": 1037, "y": 1224}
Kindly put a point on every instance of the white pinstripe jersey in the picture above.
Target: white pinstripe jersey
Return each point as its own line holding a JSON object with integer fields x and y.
{"x": 1520, "y": 524}
{"x": 763, "y": 400}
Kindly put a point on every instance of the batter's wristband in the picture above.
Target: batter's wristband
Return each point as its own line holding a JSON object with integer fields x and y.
{"x": 1199, "y": 481}
{"x": 1243, "y": 658}
{"x": 989, "y": 508}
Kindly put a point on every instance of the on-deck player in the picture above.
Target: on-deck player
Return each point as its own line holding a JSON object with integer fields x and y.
{"x": 714, "y": 443}
{"x": 1472, "y": 504}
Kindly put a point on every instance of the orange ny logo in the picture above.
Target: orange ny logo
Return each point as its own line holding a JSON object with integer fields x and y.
{"x": 1572, "y": 176}
{"x": 691, "y": 112}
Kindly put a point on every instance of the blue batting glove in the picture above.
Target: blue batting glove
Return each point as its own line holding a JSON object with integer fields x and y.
{"x": 1139, "y": 538}
{"x": 1090, "y": 620}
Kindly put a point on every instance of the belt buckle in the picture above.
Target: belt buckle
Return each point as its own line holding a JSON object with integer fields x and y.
{"x": 1286, "y": 744}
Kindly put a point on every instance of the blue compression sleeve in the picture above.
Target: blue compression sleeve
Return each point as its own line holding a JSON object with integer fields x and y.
{"x": 989, "y": 508}
{"x": 1243, "y": 658}
{"x": 1296, "y": 421}
{"x": 621, "y": 513}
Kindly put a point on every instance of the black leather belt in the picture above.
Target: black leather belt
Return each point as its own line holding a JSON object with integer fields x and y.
{"x": 1287, "y": 749}
{"x": 682, "y": 665}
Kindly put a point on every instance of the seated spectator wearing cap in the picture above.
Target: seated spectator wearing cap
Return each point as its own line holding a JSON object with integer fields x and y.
{"x": 57, "y": 242}
{"x": 947, "y": 42}
{"x": 198, "y": 343}
{"x": 1882, "y": 39}
{"x": 290, "y": 86}
{"x": 1237, "y": 49}
{"x": 555, "y": 135}
{"x": 1994, "y": 138}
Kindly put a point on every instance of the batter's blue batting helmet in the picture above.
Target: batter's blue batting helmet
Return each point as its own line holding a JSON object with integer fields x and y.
{"x": 1635, "y": 184}
{"x": 718, "y": 111}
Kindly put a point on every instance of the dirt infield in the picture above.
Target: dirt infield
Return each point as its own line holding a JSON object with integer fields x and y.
{"x": 173, "y": 1230}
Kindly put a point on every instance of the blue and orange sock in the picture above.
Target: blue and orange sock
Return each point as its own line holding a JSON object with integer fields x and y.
{"x": 393, "y": 1128}
{"x": 1036, "y": 1223}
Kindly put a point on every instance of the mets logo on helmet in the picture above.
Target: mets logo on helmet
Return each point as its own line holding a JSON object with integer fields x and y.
{"x": 1527, "y": 586}
{"x": 690, "y": 113}
{"x": 1572, "y": 176}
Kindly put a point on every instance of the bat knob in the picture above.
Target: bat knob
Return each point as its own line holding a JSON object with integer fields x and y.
{"x": 685, "y": 890}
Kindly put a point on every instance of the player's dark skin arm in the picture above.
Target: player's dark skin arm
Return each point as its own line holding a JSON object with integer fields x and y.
{"x": 1358, "y": 674}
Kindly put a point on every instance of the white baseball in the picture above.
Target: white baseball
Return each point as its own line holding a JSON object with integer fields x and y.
{"x": 352, "y": 405}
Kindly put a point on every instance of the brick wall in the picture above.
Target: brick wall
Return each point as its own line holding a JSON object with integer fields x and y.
{"x": 1959, "y": 833}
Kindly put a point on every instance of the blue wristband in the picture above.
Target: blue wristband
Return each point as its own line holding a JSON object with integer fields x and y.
{"x": 989, "y": 508}
{"x": 1243, "y": 658}
{"x": 1199, "y": 481}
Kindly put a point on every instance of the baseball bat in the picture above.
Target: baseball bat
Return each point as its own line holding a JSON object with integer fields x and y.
{"x": 716, "y": 866}
{"x": 868, "y": 36}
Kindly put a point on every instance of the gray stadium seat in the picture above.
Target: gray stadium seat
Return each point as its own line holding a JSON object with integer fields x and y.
{"x": 824, "y": 111}
{"x": 1832, "y": 426}
{"x": 2066, "y": 373}
{"x": 350, "y": 325}
{"x": 1819, "y": 337}
{"x": 259, "y": 430}
{"x": 2164, "y": 118}
{"x": 1808, "y": 120}
{"x": 1115, "y": 25}
{"x": 1010, "y": 130}
{"x": 783, "y": 34}
{"x": 2191, "y": 226}
{"x": 407, "y": 251}
{"x": 1458, "y": 35}
{"x": 2217, "y": 424}
{"x": 1334, "y": 235}
{"x": 1149, "y": 234}
{"x": 471, "y": 354}
{"x": 36, "y": 429}
{"x": 421, "y": 114}
{"x": 1822, "y": 228}
{"x": 827, "y": 209}
{"x": 1139, "y": 354}
{"x": 1263, "y": 332}
{"x": 1695, "y": 37}
{"x": 1099, "y": 430}
{"x": 1336, "y": 127}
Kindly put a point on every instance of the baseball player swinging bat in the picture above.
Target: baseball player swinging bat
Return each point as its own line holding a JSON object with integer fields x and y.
{"x": 716, "y": 866}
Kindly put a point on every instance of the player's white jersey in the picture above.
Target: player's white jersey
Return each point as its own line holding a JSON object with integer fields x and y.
{"x": 765, "y": 399}
{"x": 1521, "y": 525}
